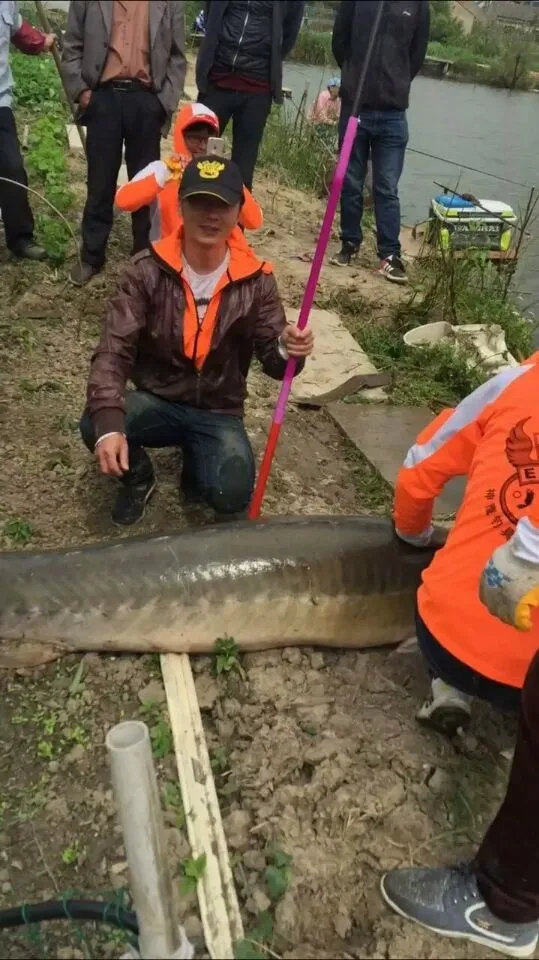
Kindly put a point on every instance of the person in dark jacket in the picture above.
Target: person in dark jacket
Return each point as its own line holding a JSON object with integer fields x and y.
{"x": 17, "y": 215}
{"x": 240, "y": 67}
{"x": 398, "y": 54}
{"x": 183, "y": 326}
{"x": 124, "y": 66}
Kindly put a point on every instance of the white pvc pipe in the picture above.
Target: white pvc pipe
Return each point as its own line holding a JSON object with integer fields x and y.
{"x": 137, "y": 799}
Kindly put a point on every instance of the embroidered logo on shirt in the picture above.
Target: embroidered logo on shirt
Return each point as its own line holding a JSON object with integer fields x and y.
{"x": 516, "y": 493}
{"x": 210, "y": 169}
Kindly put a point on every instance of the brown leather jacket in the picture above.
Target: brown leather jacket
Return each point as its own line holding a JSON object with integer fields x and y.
{"x": 149, "y": 335}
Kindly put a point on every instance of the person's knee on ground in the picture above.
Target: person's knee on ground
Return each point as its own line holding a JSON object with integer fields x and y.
{"x": 230, "y": 493}
{"x": 228, "y": 485}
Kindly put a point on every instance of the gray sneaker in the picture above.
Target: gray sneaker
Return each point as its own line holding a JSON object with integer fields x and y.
{"x": 446, "y": 900}
{"x": 447, "y": 710}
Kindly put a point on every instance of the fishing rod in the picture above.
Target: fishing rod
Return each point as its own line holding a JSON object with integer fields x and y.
{"x": 431, "y": 156}
{"x": 455, "y": 163}
{"x": 314, "y": 274}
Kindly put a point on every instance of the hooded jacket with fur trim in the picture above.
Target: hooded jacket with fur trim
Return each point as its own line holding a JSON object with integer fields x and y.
{"x": 157, "y": 184}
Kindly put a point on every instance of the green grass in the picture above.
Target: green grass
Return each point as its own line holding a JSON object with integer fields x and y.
{"x": 313, "y": 47}
{"x": 17, "y": 531}
{"x": 294, "y": 152}
{"x": 458, "y": 291}
{"x": 493, "y": 62}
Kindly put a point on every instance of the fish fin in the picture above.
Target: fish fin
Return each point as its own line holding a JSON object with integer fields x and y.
{"x": 27, "y": 653}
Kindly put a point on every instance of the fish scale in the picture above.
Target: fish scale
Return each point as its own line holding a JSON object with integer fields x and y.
{"x": 333, "y": 581}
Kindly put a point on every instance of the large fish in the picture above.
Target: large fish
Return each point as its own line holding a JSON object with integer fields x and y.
{"x": 330, "y": 581}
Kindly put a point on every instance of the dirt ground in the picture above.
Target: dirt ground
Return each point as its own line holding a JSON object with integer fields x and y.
{"x": 322, "y": 772}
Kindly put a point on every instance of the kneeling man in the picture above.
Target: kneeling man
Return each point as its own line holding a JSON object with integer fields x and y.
{"x": 188, "y": 315}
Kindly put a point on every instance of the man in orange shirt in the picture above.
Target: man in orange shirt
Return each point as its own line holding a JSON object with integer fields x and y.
{"x": 493, "y": 438}
{"x": 494, "y": 900}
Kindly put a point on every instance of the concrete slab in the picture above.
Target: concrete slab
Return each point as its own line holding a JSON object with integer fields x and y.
{"x": 384, "y": 435}
{"x": 73, "y": 137}
{"x": 336, "y": 364}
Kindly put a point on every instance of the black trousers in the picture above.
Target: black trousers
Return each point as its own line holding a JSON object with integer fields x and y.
{"x": 16, "y": 212}
{"x": 114, "y": 117}
{"x": 507, "y": 864}
{"x": 249, "y": 112}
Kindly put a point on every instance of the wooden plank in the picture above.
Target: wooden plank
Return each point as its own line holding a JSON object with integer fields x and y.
{"x": 384, "y": 435}
{"x": 335, "y": 365}
{"x": 218, "y": 902}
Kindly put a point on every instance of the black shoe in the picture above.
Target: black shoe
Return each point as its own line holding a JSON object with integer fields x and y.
{"x": 82, "y": 273}
{"x": 131, "y": 501}
{"x": 346, "y": 254}
{"x": 392, "y": 268}
{"x": 29, "y": 250}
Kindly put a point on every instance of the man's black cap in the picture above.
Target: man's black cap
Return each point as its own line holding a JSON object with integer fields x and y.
{"x": 213, "y": 176}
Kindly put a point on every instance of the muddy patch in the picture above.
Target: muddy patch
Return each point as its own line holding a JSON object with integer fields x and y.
{"x": 330, "y": 782}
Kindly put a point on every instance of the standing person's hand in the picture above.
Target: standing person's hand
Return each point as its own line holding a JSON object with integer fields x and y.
{"x": 112, "y": 455}
{"x": 50, "y": 40}
{"x": 297, "y": 343}
{"x": 84, "y": 99}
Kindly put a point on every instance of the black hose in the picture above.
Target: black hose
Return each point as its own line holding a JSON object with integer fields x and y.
{"x": 96, "y": 910}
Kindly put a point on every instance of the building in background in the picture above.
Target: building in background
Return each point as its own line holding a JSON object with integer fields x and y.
{"x": 522, "y": 15}
{"x": 467, "y": 13}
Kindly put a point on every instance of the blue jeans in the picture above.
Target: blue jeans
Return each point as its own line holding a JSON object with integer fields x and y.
{"x": 218, "y": 462}
{"x": 385, "y": 134}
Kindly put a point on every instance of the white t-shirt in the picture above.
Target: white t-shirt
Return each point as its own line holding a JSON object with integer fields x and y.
{"x": 203, "y": 285}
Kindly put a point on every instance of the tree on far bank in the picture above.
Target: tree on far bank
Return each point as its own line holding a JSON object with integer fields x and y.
{"x": 444, "y": 28}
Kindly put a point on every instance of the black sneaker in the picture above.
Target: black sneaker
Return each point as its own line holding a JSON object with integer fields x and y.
{"x": 392, "y": 268}
{"x": 29, "y": 250}
{"x": 346, "y": 254}
{"x": 82, "y": 273}
{"x": 131, "y": 501}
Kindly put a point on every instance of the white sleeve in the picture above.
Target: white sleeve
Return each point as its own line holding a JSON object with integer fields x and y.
{"x": 525, "y": 541}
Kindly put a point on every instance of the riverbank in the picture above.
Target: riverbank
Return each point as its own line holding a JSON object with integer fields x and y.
{"x": 494, "y": 70}
{"x": 321, "y": 771}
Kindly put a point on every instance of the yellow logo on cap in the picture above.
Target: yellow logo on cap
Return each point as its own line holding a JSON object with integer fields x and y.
{"x": 210, "y": 169}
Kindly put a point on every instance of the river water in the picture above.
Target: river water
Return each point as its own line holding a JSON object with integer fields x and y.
{"x": 492, "y": 130}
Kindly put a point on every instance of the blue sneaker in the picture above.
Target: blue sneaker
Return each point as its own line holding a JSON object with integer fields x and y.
{"x": 446, "y": 900}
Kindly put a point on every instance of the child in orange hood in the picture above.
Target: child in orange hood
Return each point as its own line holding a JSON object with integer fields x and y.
{"x": 157, "y": 184}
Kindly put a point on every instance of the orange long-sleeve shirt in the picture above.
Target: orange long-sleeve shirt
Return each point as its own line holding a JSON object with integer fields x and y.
{"x": 492, "y": 437}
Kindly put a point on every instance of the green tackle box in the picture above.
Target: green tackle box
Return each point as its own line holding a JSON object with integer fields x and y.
{"x": 458, "y": 224}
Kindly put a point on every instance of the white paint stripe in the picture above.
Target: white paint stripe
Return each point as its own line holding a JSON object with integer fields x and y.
{"x": 485, "y": 931}
{"x": 467, "y": 411}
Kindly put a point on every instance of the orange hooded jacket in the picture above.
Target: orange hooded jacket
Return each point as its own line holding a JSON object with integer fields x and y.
{"x": 157, "y": 184}
{"x": 492, "y": 437}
